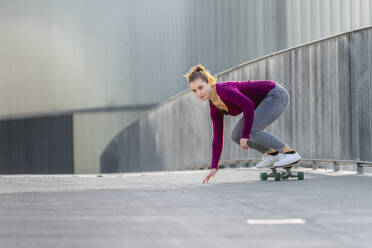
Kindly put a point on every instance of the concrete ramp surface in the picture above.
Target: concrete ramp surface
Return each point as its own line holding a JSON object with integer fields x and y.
{"x": 174, "y": 209}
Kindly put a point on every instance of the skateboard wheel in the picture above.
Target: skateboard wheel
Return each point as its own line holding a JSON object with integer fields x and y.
{"x": 263, "y": 176}
{"x": 277, "y": 176}
{"x": 284, "y": 175}
{"x": 300, "y": 176}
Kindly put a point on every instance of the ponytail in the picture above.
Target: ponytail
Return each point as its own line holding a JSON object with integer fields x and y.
{"x": 199, "y": 72}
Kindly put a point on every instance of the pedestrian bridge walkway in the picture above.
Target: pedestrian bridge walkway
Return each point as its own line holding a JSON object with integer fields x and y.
{"x": 174, "y": 209}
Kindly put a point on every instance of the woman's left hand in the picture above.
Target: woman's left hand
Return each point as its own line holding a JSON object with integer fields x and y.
{"x": 211, "y": 174}
{"x": 243, "y": 144}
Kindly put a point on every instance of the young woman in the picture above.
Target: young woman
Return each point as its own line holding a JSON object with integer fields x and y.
{"x": 261, "y": 102}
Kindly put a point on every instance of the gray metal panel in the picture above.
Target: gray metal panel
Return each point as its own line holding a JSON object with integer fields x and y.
{"x": 67, "y": 55}
{"x": 329, "y": 115}
{"x": 37, "y": 145}
{"x": 72, "y": 55}
{"x": 361, "y": 80}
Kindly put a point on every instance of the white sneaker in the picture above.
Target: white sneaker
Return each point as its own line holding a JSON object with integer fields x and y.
{"x": 288, "y": 159}
{"x": 268, "y": 160}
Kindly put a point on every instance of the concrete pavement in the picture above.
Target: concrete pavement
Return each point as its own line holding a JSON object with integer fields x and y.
{"x": 173, "y": 209}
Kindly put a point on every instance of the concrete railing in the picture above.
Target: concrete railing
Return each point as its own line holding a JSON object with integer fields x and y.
{"x": 359, "y": 167}
{"x": 329, "y": 116}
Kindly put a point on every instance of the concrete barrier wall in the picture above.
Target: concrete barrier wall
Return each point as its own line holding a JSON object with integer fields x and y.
{"x": 329, "y": 115}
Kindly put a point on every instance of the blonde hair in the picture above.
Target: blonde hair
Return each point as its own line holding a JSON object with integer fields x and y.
{"x": 199, "y": 71}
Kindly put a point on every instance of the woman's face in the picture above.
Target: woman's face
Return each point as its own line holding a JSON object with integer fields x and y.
{"x": 201, "y": 89}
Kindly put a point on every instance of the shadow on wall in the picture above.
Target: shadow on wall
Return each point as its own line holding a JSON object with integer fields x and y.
{"x": 123, "y": 153}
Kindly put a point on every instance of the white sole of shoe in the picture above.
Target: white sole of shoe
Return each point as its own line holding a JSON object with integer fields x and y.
{"x": 263, "y": 167}
{"x": 286, "y": 165}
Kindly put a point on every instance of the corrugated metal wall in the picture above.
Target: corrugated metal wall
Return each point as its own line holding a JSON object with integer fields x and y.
{"x": 309, "y": 20}
{"x": 59, "y": 56}
{"x": 75, "y": 54}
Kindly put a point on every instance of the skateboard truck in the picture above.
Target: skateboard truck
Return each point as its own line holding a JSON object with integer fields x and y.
{"x": 283, "y": 175}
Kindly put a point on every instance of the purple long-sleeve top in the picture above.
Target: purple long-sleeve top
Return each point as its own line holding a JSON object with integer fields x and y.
{"x": 238, "y": 97}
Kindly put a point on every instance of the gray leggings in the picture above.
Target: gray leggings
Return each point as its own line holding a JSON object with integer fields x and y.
{"x": 271, "y": 107}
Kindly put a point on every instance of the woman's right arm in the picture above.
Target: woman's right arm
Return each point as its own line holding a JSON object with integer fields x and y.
{"x": 218, "y": 133}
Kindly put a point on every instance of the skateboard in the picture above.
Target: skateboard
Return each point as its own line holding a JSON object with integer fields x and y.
{"x": 284, "y": 175}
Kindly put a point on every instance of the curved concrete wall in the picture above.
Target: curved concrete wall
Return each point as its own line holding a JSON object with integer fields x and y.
{"x": 329, "y": 116}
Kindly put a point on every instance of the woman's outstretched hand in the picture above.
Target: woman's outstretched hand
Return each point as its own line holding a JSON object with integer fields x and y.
{"x": 212, "y": 172}
{"x": 243, "y": 144}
